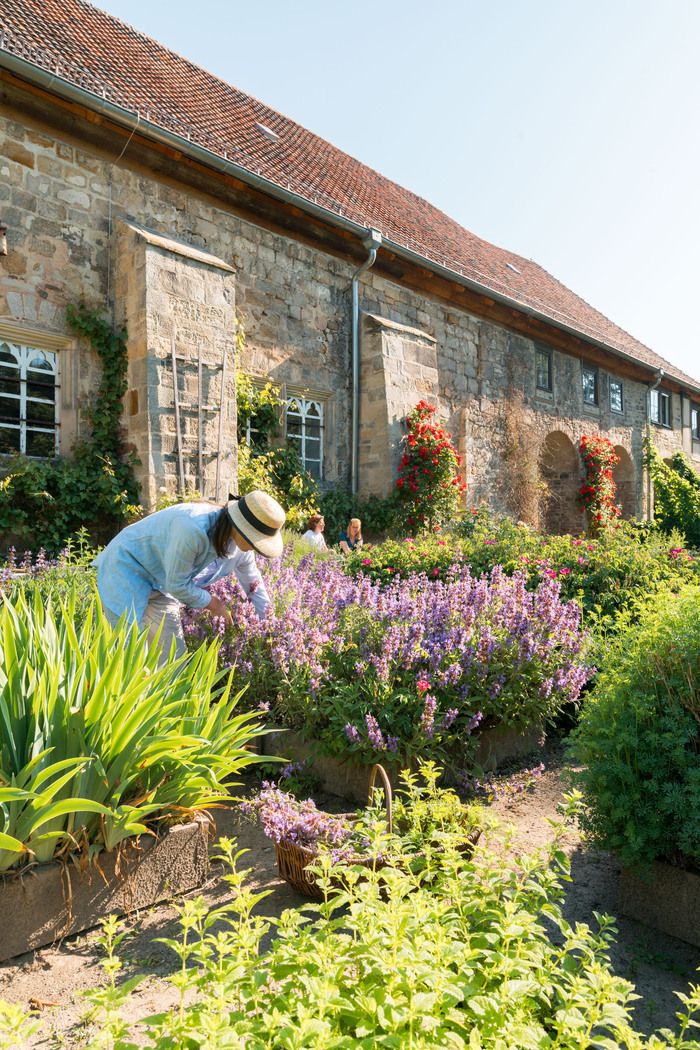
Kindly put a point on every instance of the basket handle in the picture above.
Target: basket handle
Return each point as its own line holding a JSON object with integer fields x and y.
{"x": 388, "y": 795}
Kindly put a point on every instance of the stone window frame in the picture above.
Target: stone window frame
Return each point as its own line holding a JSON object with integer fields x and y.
{"x": 612, "y": 381}
{"x": 312, "y": 398}
{"x": 592, "y": 371}
{"x": 17, "y": 333}
{"x": 695, "y": 421}
{"x": 546, "y": 352}
{"x": 662, "y": 415}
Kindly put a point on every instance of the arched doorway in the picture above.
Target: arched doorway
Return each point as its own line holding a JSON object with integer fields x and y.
{"x": 623, "y": 476}
{"x": 560, "y": 471}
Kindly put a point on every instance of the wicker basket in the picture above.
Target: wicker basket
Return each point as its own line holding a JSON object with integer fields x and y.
{"x": 293, "y": 861}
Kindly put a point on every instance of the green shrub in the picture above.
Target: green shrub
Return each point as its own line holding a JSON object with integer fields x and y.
{"x": 470, "y": 954}
{"x": 97, "y": 742}
{"x": 378, "y": 515}
{"x": 639, "y": 738}
{"x": 676, "y": 495}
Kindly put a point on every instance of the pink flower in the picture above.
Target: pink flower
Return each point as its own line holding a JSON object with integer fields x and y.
{"x": 422, "y": 685}
{"x": 366, "y": 561}
{"x": 489, "y": 542}
{"x": 524, "y": 558}
{"x": 565, "y": 571}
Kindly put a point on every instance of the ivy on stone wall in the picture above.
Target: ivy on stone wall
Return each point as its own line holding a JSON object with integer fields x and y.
{"x": 43, "y": 502}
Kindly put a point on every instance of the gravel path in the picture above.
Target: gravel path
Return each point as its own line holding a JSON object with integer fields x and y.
{"x": 53, "y": 979}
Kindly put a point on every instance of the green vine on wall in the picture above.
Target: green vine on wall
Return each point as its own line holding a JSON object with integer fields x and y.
{"x": 43, "y": 502}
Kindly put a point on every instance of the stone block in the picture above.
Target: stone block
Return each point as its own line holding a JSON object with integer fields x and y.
{"x": 19, "y": 154}
{"x": 56, "y": 900}
{"x": 668, "y": 901}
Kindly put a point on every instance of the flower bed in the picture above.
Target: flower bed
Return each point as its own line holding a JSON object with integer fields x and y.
{"x": 415, "y": 668}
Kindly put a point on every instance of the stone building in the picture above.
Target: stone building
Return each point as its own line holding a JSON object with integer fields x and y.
{"x": 137, "y": 183}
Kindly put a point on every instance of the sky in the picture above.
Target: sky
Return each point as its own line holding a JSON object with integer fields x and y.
{"x": 563, "y": 130}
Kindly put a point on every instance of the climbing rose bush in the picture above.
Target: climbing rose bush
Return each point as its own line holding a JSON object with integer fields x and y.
{"x": 415, "y": 667}
{"x": 598, "y": 489}
{"x": 429, "y": 484}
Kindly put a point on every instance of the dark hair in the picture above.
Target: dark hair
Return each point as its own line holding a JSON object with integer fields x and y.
{"x": 313, "y": 522}
{"x": 220, "y": 532}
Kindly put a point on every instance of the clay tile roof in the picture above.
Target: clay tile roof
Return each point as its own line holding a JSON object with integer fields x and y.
{"x": 101, "y": 54}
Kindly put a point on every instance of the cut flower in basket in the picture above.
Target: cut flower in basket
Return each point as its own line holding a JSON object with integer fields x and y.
{"x": 401, "y": 831}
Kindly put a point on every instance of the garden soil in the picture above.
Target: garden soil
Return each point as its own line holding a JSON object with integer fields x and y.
{"x": 51, "y": 981}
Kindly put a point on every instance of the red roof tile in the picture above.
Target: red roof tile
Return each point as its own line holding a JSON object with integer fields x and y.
{"x": 101, "y": 54}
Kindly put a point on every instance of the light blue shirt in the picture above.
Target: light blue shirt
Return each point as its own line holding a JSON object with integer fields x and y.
{"x": 170, "y": 551}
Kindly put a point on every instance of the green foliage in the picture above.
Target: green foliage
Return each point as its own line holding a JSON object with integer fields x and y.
{"x": 466, "y": 955}
{"x": 428, "y": 485}
{"x": 69, "y": 580}
{"x": 261, "y": 408}
{"x": 280, "y": 473}
{"x": 97, "y": 742}
{"x": 43, "y": 501}
{"x": 378, "y": 515}
{"x": 639, "y": 738}
{"x": 676, "y": 495}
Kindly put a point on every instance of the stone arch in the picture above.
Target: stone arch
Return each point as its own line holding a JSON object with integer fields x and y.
{"x": 623, "y": 476}
{"x": 560, "y": 469}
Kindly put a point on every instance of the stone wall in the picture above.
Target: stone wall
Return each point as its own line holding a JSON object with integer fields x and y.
{"x": 64, "y": 203}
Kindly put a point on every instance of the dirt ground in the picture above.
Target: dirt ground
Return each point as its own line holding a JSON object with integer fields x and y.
{"x": 52, "y": 980}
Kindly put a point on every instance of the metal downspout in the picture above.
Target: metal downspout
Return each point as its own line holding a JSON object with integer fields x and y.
{"x": 655, "y": 386}
{"x": 372, "y": 242}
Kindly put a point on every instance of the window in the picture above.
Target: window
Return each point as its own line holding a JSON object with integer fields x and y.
{"x": 616, "y": 403}
{"x": 543, "y": 369}
{"x": 695, "y": 422}
{"x": 28, "y": 401}
{"x": 305, "y": 432}
{"x": 660, "y": 407}
{"x": 589, "y": 377}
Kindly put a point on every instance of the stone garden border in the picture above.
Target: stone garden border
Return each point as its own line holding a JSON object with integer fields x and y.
{"x": 669, "y": 902}
{"x": 42, "y": 905}
{"x": 349, "y": 779}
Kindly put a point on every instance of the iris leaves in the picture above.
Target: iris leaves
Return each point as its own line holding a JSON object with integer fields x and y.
{"x": 97, "y": 742}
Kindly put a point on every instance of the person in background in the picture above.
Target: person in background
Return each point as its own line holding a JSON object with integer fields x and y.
{"x": 172, "y": 557}
{"x": 314, "y": 532}
{"x": 351, "y": 539}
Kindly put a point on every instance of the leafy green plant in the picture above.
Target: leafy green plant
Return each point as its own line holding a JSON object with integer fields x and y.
{"x": 258, "y": 411}
{"x": 469, "y": 954}
{"x": 378, "y": 515}
{"x": 97, "y": 742}
{"x": 639, "y": 739}
{"x": 676, "y": 495}
{"x": 43, "y": 501}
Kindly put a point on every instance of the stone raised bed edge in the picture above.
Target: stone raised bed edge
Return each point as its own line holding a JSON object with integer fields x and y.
{"x": 45, "y": 904}
{"x": 669, "y": 902}
{"x": 349, "y": 779}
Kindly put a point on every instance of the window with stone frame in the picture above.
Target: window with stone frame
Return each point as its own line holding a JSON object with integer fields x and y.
{"x": 695, "y": 422}
{"x": 660, "y": 408}
{"x": 615, "y": 395}
{"x": 543, "y": 369}
{"x": 29, "y": 406}
{"x": 304, "y": 427}
{"x": 589, "y": 378}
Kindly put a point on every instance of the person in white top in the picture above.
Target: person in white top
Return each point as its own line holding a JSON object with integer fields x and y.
{"x": 314, "y": 532}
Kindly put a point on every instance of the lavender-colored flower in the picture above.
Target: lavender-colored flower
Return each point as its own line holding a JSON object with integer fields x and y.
{"x": 352, "y": 733}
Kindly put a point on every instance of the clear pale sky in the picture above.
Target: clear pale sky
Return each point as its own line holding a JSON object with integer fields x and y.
{"x": 564, "y": 130}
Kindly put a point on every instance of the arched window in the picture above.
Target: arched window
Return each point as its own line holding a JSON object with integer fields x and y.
{"x": 305, "y": 432}
{"x": 28, "y": 401}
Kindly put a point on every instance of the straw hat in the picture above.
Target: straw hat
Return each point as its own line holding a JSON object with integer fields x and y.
{"x": 259, "y": 518}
